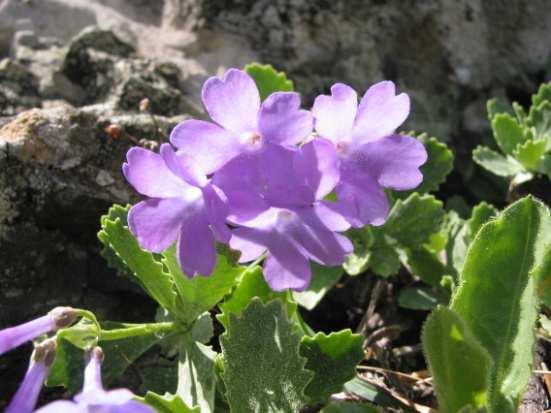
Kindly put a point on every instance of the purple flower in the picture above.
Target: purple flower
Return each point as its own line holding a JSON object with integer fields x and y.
{"x": 275, "y": 200}
{"x": 242, "y": 123}
{"x": 26, "y": 396}
{"x": 182, "y": 205}
{"x": 372, "y": 156}
{"x": 94, "y": 398}
{"x": 15, "y": 336}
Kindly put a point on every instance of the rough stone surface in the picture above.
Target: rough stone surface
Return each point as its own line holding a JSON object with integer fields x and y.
{"x": 72, "y": 68}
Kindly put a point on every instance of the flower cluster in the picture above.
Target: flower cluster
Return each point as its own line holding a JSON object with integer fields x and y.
{"x": 259, "y": 177}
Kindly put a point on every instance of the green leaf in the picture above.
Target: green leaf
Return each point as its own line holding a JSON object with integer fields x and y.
{"x": 412, "y": 221}
{"x": 495, "y": 106}
{"x": 169, "y": 403}
{"x": 384, "y": 260}
{"x": 200, "y": 294}
{"x": 543, "y": 94}
{"x": 196, "y": 374}
{"x": 350, "y": 407}
{"x": 251, "y": 285}
{"x": 495, "y": 162}
{"x": 539, "y": 118}
{"x": 376, "y": 394}
{"x": 459, "y": 364}
{"x": 68, "y": 366}
{"x": 497, "y": 297}
{"x": 481, "y": 214}
{"x": 268, "y": 80}
{"x": 425, "y": 264}
{"x": 530, "y": 152}
{"x": 203, "y": 329}
{"x": 323, "y": 279}
{"x": 417, "y": 298}
{"x": 333, "y": 359}
{"x": 147, "y": 270}
{"x": 439, "y": 164}
{"x": 507, "y": 132}
{"x": 263, "y": 371}
{"x": 363, "y": 239}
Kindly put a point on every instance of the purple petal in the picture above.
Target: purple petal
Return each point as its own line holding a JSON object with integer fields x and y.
{"x": 196, "y": 247}
{"x": 334, "y": 115}
{"x": 316, "y": 241}
{"x": 26, "y": 396}
{"x": 330, "y": 215}
{"x": 147, "y": 173}
{"x": 233, "y": 101}
{"x": 318, "y": 165}
{"x": 280, "y": 185}
{"x": 249, "y": 242}
{"x": 156, "y": 222}
{"x": 217, "y": 210}
{"x": 380, "y": 112}
{"x": 285, "y": 267}
{"x": 134, "y": 406}
{"x": 393, "y": 161}
{"x": 362, "y": 200}
{"x": 209, "y": 144}
{"x": 183, "y": 166}
{"x": 92, "y": 376}
{"x": 15, "y": 336}
{"x": 281, "y": 121}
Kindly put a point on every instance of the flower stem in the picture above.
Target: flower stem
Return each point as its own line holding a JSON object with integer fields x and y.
{"x": 135, "y": 330}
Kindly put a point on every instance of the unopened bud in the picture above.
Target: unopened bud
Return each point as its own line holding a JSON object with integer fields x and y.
{"x": 45, "y": 352}
{"x": 63, "y": 316}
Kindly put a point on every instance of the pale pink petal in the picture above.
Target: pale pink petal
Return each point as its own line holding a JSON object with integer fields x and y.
{"x": 233, "y": 101}
{"x": 281, "y": 121}
{"x": 380, "y": 113}
{"x": 334, "y": 114}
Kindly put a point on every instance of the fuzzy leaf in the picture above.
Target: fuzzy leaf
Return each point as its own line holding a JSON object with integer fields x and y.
{"x": 147, "y": 270}
{"x": 497, "y": 297}
{"x": 459, "y": 364}
{"x": 196, "y": 374}
{"x": 495, "y": 162}
{"x": 323, "y": 278}
{"x": 543, "y": 94}
{"x": 530, "y": 152}
{"x": 263, "y": 371}
{"x": 539, "y": 118}
{"x": 495, "y": 106}
{"x": 251, "y": 285}
{"x": 169, "y": 403}
{"x": 412, "y": 221}
{"x": 481, "y": 214}
{"x": 200, "y": 294}
{"x": 384, "y": 260}
{"x": 333, "y": 359}
{"x": 268, "y": 80}
{"x": 507, "y": 132}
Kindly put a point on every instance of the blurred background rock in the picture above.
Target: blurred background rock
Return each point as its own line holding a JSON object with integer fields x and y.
{"x": 83, "y": 80}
